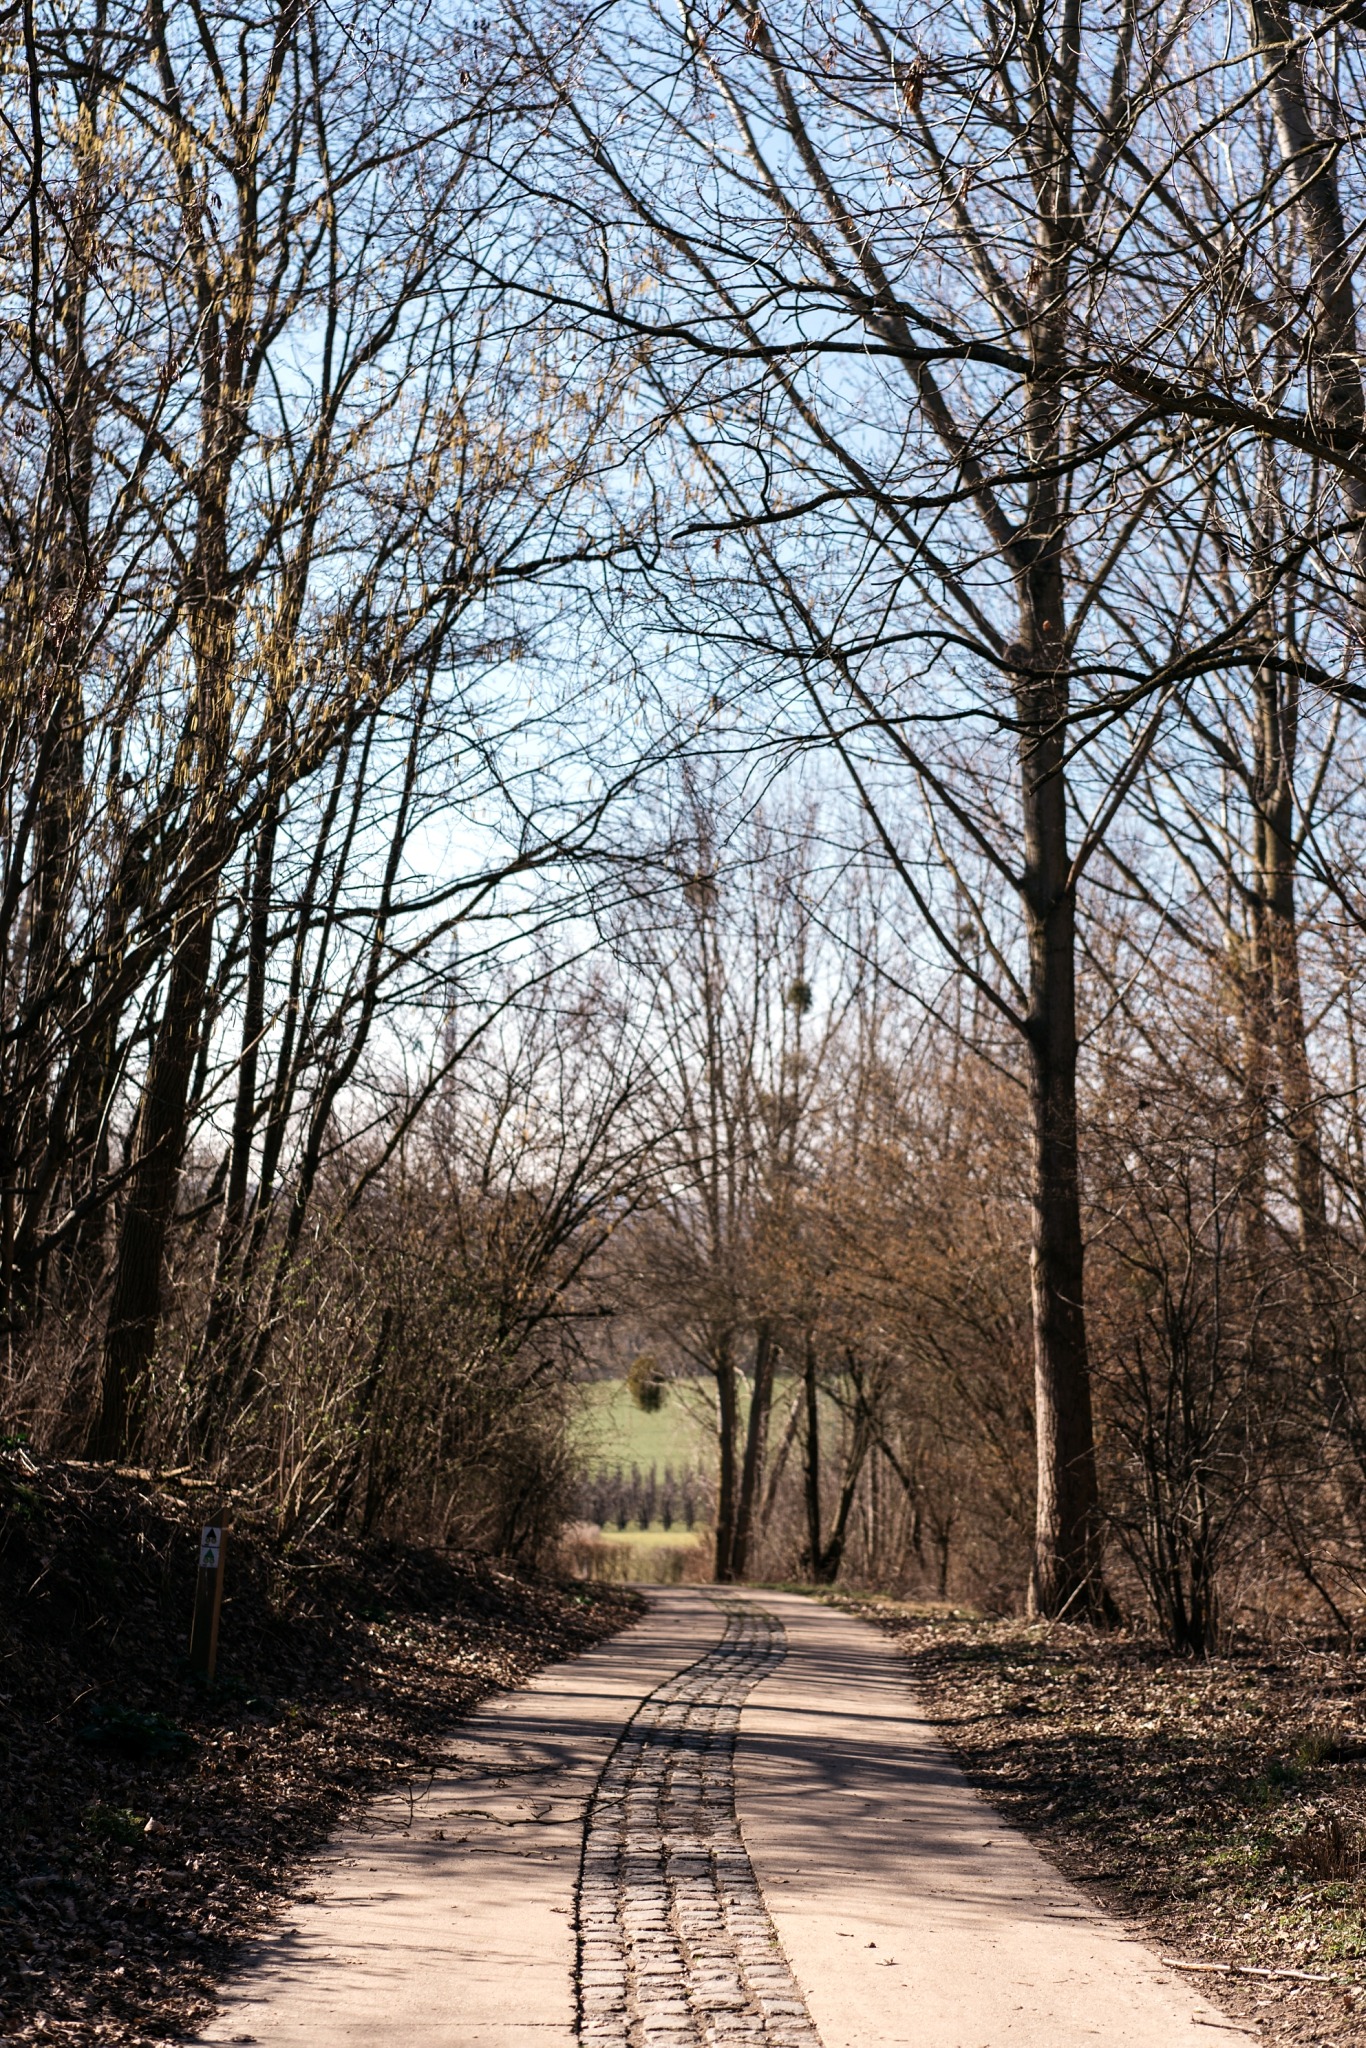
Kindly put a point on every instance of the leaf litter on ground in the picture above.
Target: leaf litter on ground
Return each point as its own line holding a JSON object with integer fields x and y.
{"x": 1218, "y": 1808}
{"x": 152, "y": 1825}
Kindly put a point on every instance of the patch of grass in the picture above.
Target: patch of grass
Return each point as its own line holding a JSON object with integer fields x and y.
{"x": 880, "y": 1607}
{"x": 143, "y": 1736}
{"x": 116, "y": 1824}
{"x": 657, "y": 1539}
{"x": 613, "y": 1429}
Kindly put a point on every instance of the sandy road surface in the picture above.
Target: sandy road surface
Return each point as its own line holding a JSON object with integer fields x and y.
{"x": 729, "y": 1827}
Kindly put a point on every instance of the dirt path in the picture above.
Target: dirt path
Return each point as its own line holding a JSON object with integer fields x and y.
{"x": 603, "y": 1861}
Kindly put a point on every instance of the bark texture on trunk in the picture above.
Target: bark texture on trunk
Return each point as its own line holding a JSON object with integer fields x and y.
{"x": 229, "y": 356}
{"x": 1338, "y": 396}
{"x": 219, "y": 1357}
{"x": 825, "y": 1554}
{"x": 135, "y": 1304}
{"x": 811, "y": 1464}
{"x": 1066, "y": 1578}
{"x": 727, "y": 1419}
{"x": 135, "y": 1300}
{"x": 1276, "y": 746}
{"x": 756, "y": 1446}
{"x": 1067, "y": 1573}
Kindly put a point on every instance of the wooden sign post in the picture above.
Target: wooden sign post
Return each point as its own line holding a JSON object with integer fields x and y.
{"x": 208, "y": 1594}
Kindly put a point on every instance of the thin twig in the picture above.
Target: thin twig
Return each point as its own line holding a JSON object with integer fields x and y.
{"x": 1254, "y": 1970}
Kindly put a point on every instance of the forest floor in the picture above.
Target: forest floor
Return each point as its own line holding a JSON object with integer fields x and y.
{"x": 153, "y": 1824}
{"x": 1219, "y": 1808}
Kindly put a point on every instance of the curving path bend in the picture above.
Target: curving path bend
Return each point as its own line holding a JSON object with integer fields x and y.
{"x": 727, "y": 1828}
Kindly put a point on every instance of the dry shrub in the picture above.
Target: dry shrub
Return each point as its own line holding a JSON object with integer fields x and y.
{"x": 583, "y": 1554}
{"x": 398, "y": 1385}
{"x": 1325, "y": 1847}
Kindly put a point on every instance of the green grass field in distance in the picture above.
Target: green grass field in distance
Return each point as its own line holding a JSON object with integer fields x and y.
{"x": 612, "y": 1430}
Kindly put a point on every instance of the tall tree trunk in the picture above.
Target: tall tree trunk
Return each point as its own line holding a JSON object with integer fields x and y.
{"x": 1251, "y": 976}
{"x": 811, "y": 1467}
{"x": 1338, "y": 397}
{"x": 218, "y": 1359}
{"x": 780, "y": 1457}
{"x": 135, "y": 1305}
{"x": 1066, "y": 1576}
{"x": 727, "y": 1419}
{"x": 756, "y": 1443}
{"x": 136, "y": 1297}
{"x": 61, "y": 576}
{"x": 1276, "y": 744}
{"x": 229, "y": 349}
{"x": 827, "y": 1565}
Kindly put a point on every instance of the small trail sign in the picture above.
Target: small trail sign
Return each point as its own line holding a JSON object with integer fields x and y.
{"x": 208, "y": 1594}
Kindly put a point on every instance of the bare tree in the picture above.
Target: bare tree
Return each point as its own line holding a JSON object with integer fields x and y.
{"x": 745, "y": 1021}
{"x": 285, "y": 469}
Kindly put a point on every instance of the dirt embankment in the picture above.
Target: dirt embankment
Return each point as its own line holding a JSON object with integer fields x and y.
{"x": 1218, "y": 1807}
{"x": 151, "y": 1824}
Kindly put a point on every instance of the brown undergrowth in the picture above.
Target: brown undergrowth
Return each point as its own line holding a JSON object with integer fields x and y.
{"x": 150, "y": 1825}
{"x": 1220, "y": 1807}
